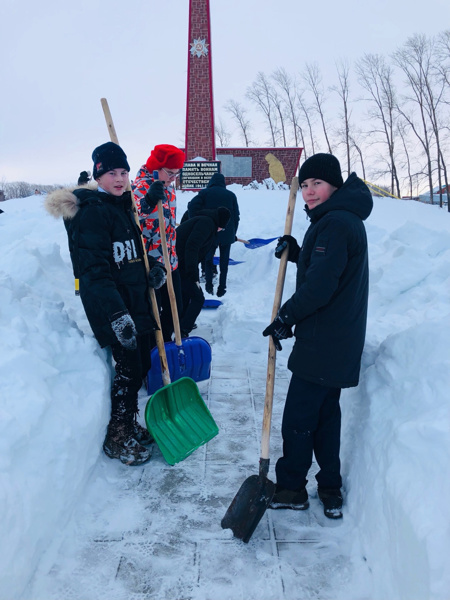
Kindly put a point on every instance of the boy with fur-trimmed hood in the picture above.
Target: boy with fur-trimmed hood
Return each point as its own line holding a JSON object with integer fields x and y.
{"x": 108, "y": 262}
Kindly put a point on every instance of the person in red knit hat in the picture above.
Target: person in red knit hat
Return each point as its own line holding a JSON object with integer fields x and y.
{"x": 168, "y": 161}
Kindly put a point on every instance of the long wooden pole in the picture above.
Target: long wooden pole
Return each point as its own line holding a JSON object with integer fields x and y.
{"x": 170, "y": 289}
{"x": 154, "y": 304}
{"x": 270, "y": 381}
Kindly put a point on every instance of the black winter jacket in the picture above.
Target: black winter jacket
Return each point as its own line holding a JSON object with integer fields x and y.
{"x": 213, "y": 196}
{"x": 107, "y": 257}
{"x": 195, "y": 237}
{"x": 329, "y": 307}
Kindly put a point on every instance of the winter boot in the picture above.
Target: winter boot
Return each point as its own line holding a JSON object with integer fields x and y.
{"x": 120, "y": 443}
{"x": 142, "y": 434}
{"x": 221, "y": 291}
{"x": 332, "y": 502}
{"x": 293, "y": 499}
{"x": 209, "y": 288}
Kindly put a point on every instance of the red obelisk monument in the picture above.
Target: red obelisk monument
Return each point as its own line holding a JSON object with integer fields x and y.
{"x": 200, "y": 135}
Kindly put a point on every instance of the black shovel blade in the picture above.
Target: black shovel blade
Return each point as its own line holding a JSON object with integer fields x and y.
{"x": 248, "y": 506}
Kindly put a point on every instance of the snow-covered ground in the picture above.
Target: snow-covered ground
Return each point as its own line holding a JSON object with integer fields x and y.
{"x": 54, "y": 407}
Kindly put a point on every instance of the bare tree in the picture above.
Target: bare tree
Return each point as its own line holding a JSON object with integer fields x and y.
{"x": 223, "y": 134}
{"x": 313, "y": 80}
{"x": 239, "y": 114}
{"x": 306, "y": 111}
{"x": 417, "y": 61}
{"x": 261, "y": 94}
{"x": 278, "y": 104}
{"x": 376, "y": 77}
{"x": 289, "y": 90}
{"x": 343, "y": 91}
{"x": 357, "y": 147}
{"x": 443, "y": 65}
{"x": 443, "y": 48}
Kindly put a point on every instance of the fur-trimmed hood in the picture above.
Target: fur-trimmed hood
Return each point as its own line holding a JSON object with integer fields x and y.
{"x": 64, "y": 203}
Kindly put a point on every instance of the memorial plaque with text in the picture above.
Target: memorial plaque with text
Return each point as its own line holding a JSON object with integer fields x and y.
{"x": 195, "y": 174}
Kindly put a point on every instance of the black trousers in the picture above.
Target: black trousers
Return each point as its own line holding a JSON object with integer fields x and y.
{"x": 311, "y": 424}
{"x": 193, "y": 300}
{"x": 224, "y": 257}
{"x": 131, "y": 366}
{"x": 162, "y": 296}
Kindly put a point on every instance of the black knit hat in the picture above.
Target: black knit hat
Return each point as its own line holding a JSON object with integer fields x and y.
{"x": 322, "y": 166}
{"x": 107, "y": 157}
{"x": 223, "y": 216}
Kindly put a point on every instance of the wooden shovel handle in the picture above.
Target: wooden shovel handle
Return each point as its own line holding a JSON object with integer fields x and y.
{"x": 171, "y": 291}
{"x": 270, "y": 381}
{"x": 151, "y": 291}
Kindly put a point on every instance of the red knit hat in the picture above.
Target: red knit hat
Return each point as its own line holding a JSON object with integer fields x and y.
{"x": 167, "y": 156}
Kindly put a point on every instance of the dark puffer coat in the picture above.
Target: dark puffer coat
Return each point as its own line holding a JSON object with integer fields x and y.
{"x": 194, "y": 238}
{"x": 107, "y": 257}
{"x": 213, "y": 196}
{"x": 329, "y": 307}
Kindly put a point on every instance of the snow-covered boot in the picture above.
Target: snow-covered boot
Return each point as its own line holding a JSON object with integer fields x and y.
{"x": 332, "y": 502}
{"x": 120, "y": 443}
{"x": 293, "y": 499}
{"x": 142, "y": 434}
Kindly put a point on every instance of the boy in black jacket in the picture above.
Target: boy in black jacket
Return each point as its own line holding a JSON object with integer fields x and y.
{"x": 329, "y": 311}
{"x": 107, "y": 257}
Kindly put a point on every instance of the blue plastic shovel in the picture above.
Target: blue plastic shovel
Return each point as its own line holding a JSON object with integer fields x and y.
{"x": 187, "y": 357}
{"x": 216, "y": 261}
{"x": 211, "y": 303}
{"x": 256, "y": 242}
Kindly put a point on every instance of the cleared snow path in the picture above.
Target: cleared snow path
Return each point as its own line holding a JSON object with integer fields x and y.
{"x": 173, "y": 546}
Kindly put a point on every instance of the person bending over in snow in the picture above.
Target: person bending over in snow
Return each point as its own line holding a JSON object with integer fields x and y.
{"x": 194, "y": 238}
{"x": 329, "y": 311}
{"x": 167, "y": 160}
{"x": 213, "y": 196}
{"x": 108, "y": 261}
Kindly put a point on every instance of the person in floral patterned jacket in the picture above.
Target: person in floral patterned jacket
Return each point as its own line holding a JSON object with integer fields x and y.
{"x": 165, "y": 160}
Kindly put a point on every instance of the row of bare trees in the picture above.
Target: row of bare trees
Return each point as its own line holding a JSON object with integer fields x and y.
{"x": 22, "y": 189}
{"x": 387, "y": 118}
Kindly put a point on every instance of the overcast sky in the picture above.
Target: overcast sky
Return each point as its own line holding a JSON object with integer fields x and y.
{"x": 59, "y": 58}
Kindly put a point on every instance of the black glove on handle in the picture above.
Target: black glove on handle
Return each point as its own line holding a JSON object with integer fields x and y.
{"x": 279, "y": 330}
{"x": 151, "y": 198}
{"x": 294, "y": 248}
{"x": 125, "y": 331}
{"x": 157, "y": 276}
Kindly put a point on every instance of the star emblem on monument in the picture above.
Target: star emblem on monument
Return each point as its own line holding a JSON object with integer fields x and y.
{"x": 199, "y": 47}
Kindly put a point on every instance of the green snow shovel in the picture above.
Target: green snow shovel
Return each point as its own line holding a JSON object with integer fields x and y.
{"x": 255, "y": 494}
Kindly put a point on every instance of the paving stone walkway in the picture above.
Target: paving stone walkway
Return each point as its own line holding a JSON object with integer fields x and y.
{"x": 153, "y": 532}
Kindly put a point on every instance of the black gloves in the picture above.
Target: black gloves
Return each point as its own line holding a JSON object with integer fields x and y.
{"x": 125, "y": 331}
{"x": 279, "y": 331}
{"x": 151, "y": 198}
{"x": 294, "y": 248}
{"x": 157, "y": 276}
